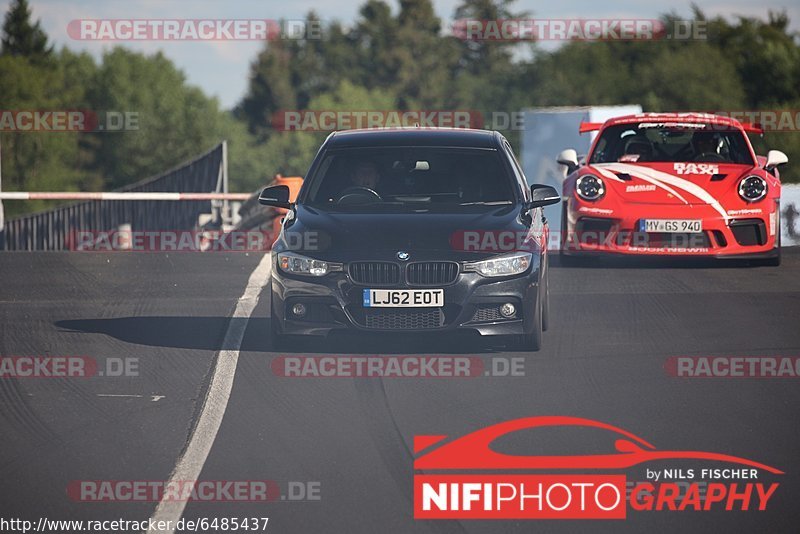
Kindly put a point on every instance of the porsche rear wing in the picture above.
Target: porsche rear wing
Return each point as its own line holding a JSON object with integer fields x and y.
{"x": 595, "y": 126}
{"x": 589, "y": 127}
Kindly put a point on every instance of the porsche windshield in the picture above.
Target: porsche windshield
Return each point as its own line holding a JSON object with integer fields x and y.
{"x": 646, "y": 143}
{"x": 410, "y": 177}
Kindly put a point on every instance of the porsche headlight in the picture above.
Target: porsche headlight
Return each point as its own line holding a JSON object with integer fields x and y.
{"x": 590, "y": 187}
{"x": 753, "y": 188}
{"x": 506, "y": 265}
{"x": 296, "y": 264}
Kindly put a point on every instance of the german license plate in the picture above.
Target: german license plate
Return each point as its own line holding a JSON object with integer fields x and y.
{"x": 403, "y": 298}
{"x": 671, "y": 226}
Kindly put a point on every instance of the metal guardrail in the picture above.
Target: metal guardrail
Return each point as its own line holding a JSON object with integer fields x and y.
{"x": 51, "y": 229}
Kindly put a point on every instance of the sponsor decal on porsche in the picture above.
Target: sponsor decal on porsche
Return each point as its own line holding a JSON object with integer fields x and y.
{"x": 585, "y": 209}
{"x": 746, "y": 211}
{"x": 641, "y": 188}
{"x": 468, "y": 477}
{"x": 696, "y": 168}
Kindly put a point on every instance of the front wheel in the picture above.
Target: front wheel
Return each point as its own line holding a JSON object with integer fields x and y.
{"x": 546, "y": 296}
{"x": 532, "y": 341}
{"x": 565, "y": 260}
{"x": 775, "y": 261}
{"x": 278, "y": 341}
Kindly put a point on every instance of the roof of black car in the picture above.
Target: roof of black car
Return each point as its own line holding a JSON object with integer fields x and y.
{"x": 454, "y": 137}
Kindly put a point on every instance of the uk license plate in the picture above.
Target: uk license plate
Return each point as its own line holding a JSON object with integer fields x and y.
{"x": 403, "y": 298}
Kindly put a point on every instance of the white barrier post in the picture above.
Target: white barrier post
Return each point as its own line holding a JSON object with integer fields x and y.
{"x": 125, "y": 232}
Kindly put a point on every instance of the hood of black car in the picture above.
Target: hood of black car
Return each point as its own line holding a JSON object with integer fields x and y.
{"x": 424, "y": 235}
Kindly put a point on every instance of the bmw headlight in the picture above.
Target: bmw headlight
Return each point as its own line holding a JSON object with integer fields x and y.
{"x": 753, "y": 188}
{"x": 590, "y": 187}
{"x": 506, "y": 265}
{"x": 296, "y": 264}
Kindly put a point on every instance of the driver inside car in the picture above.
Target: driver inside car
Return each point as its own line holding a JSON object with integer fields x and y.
{"x": 637, "y": 148}
{"x": 364, "y": 178}
{"x": 706, "y": 145}
{"x": 365, "y": 174}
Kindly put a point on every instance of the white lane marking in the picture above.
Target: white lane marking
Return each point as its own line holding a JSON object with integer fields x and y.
{"x": 153, "y": 398}
{"x": 190, "y": 464}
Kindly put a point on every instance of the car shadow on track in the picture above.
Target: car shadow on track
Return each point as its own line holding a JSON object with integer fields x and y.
{"x": 208, "y": 333}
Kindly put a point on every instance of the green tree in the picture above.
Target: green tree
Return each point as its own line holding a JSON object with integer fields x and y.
{"x": 270, "y": 88}
{"x": 425, "y": 62}
{"x": 766, "y": 56}
{"x": 175, "y": 121}
{"x": 291, "y": 152}
{"x": 21, "y": 37}
{"x": 484, "y": 63}
{"x": 35, "y": 161}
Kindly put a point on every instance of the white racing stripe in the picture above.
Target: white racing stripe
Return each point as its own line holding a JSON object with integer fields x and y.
{"x": 680, "y": 183}
{"x": 190, "y": 464}
{"x": 609, "y": 174}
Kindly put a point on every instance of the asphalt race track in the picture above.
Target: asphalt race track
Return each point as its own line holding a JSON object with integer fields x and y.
{"x": 612, "y": 328}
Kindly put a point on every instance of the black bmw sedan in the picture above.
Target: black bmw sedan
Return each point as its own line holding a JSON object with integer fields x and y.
{"x": 413, "y": 230}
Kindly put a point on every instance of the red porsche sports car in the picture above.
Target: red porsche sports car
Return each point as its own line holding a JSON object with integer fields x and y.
{"x": 685, "y": 184}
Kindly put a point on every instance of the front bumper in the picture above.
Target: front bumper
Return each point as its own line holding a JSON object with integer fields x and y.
{"x": 752, "y": 234}
{"x": 472, "y": 302}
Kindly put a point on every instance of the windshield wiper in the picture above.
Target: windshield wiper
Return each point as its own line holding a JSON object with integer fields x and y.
{"x": 486, "y": 203}
{"x": 412, "y": 198}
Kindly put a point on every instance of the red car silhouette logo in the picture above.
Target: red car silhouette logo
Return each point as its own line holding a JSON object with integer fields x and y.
{"x": 473, "y": 451}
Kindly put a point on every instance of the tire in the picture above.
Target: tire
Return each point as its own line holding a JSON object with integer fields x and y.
{"x": 531, "y": 342}
{"x": 278, "y": 340}
{"x": 546, "y": 296}
{"x": 776, "y": 260}
{"x": 771, "y": 262}
{"x": 564, "y": 259}
{"x": 563, "y": 238}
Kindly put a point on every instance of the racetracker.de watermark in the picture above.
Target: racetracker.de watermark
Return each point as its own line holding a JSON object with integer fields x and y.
{"x": 66, "y": 367}
{"x": 500, "y": 241}
{"x": 769, "y": 120}
{"x": 170, "y": 241}
{"x": 443, "y": 366}
{"x": 733, "y": 366}
{"x": 67, "y": 120}
{"x": 572, "y": 29}
{"x": 332, "y": 120}
{"x": 194, "y": 29}
{"x": 193, "y": 490}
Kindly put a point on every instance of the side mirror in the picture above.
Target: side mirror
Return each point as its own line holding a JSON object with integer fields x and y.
{"x": 568, "y": 157}
{"x": 277, "y": 195}
{"x": 775, "y": 158}
{"x": 543, "y": 195}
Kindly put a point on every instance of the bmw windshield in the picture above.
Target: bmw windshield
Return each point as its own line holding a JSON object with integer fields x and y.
{"x": 427, "y": 178}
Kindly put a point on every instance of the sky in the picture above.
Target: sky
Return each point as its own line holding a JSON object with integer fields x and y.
{"x": 221, "y": 68}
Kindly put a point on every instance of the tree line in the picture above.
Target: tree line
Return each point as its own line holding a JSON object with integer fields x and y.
{"x": 399, "y": 57}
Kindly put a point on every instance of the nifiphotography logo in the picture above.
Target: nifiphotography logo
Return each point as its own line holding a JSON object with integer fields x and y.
{"x": 468, "y": 477}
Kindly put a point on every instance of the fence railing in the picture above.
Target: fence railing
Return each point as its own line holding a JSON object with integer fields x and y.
{"x": 52, "y": 229}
